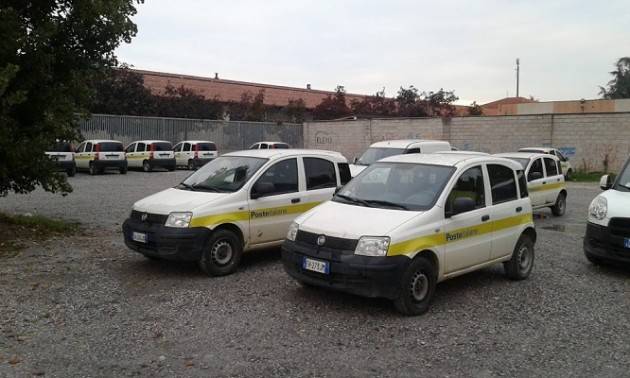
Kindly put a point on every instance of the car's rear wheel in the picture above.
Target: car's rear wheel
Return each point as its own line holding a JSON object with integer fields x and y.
{"x": 92, "y": 169}
{"x": 146, "y": 166}
{"x": 191, "y": 165}
{"x": 222, "y": 254}
{"x": 522, "y": 262}
{"x": 417, "y": 287}
{"x": 72, "y": 171}
{"x": 561, "y": 205}
{"x": 123, "y": 170}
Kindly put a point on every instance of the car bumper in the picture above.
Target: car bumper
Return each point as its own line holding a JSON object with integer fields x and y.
{"x": 360, "y": 275}
{"x": 600, "y": 243}
{"x": 104, "y": 164}
{"x": 64, "y": 165}
{"x": 169, "y": 243}
{"x": 198, "y": 162}
{"x": 162, "y": 163}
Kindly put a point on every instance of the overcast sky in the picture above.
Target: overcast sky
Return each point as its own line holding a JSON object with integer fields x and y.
{"x": 566, "y": 47}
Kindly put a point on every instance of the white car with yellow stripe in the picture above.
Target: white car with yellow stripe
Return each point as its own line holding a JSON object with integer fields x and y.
{"x": 97, "y": 155}
{"x": 150, "y": 154}
{"x": 408, "y": 222}
{"x": 545, "y": 181}
{"x": 237, "y": 202}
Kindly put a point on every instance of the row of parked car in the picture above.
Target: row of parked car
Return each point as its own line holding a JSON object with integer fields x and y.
{"x": 405, "y": 216}
{"x": 97, "y": 155}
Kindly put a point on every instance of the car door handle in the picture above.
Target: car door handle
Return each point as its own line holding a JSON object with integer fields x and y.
{"x": 295, "y": 200}
{"x": 485, "y": 218}
{"x": 544, "y": 182}
{"x": 519, "y": 209}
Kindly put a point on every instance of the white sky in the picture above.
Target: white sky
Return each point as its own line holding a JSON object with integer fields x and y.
{"x": 566, "y": 47}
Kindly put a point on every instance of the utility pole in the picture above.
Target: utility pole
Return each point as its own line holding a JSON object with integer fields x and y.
{"x": 517, "y": 75}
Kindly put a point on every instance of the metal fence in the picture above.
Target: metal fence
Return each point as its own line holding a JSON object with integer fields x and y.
{"x": 228, "y": 135}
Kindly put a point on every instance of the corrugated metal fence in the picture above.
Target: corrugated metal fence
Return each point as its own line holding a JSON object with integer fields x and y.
{"x": 228, "y": 135}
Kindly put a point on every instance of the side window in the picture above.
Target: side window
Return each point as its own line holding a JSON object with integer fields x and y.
{"x": 413, "y": 151}
{"x": 186, "y": 147}
{"x": 254, "y": 146}
{"x": 320, "y": 174}
{"x": 560, "y": 156}
{"x": 263, "y": 146}
{"x": 88, "y": 147}
{"x": 141, "y": 147}
{"x": 536, "y": 167}
{"x": 344, "y": 173}
{"x": 177, "y": 147}
{"x": 502, "y": 183}
{"x": 470, "y": 185}
{"x": 522, "y": 184}
{"x": 551, "y": 167}
{"x": 130, "y": 148}
{"x": 283, "y": 176}
{"x": 80, "y": 148}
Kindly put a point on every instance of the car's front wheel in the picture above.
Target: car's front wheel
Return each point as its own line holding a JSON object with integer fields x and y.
{"x": 146, "y": 166}
{"x": 417, "y": 287}
{"x": 522, "y": 262}
{"x": 222, "y": 253}
{"x": 560, "y": 207}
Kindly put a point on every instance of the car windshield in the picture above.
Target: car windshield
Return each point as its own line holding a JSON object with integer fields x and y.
{"x": 110, "y": 147}
{"x": 61, "y": 147}
{"x": 223, "y": 174}
{"x": 522, "y": 161}
{"x": 403, "y": 186}
{"x": 623, "y": 180}
{"x": 162, "y": 146}
{"x": 374, "y": 154}
{"x": 206, "y": 147}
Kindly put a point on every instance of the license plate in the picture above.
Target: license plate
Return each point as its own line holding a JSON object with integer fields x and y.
{"x": 139, "y": 237}
{"x": 316, "y": 265}
{"x": 111, "y": 156}
{"x": 626, "y": 242}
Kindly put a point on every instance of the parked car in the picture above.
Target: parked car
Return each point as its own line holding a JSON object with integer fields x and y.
{"x": 193, "y": 154}
{"x": 269, "y": 146}
{"x": 425, "y": 219}
{"x": 380, "y": 150}
{"x": 62, "y": 154}
{"x": 97, "y": 155}
{"x": 567, "y": 169}
{"x": 607, "y": 238}
{"x": 150, "y": 154}
{"x": 545, "y": 182}
{"x": 238, "y": 202}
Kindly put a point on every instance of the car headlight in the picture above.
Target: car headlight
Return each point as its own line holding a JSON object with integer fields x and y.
{"x": 598, "y": 208}
{"x": 293, "y": 230}
{"x": 372, "y": 246}
{"x": 180, "y": 220}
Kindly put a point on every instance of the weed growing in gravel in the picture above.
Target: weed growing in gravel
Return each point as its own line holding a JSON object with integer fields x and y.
{"x": 16, "y": 230}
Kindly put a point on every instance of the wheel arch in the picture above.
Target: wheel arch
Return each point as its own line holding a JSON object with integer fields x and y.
{"x": 233, "y": 228}
{"x": 530, "y": 232}
{"x": 430, "y": 255}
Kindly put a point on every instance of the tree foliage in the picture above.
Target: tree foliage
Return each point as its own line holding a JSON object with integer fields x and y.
{"x": 475, "y": 109}
{"x": 296, "y": 110}
{"x": 122, "y": 91}
{"x": 51, "y": 51}
{"x": 374, "y": 106}
{"x": 333, "y": 106}
{"x": 619, "y": 85}
{"x": 182, "y": 102}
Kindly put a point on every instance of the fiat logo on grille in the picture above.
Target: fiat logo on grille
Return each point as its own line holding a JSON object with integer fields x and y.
{"x": 321, "y": 240}
{"x": 144, "y": 217}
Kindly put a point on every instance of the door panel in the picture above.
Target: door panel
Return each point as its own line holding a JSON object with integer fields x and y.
{"x": 536, "y": 187}
{"x": 553, "y": 180}
{"x": 506, "y": 210}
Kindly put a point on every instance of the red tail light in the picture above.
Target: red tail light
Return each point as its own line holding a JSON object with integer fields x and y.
{"x": 97, "y": 149}
{"x": 196, "y": 150}
{"x": 151, "y": 149}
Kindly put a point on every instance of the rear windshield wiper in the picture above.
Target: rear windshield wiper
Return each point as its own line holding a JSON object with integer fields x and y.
{"x": 387, "y": 203}
{"x": 353, "y": 200}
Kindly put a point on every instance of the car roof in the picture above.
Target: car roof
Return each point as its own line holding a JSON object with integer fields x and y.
{"x": 461, "y": 152}
{"x": 403, "y": 143}
{"x": 544, "y": 149}
{"x": 194, "y": 141}
{"x": 525, "y": 155}
{"x": 280, "y": 153}
{"x": 150, "y": 141}
{"x": 271, "y": 142}
{"x": 451, "y": 159}
{"x": 101, "y": 141}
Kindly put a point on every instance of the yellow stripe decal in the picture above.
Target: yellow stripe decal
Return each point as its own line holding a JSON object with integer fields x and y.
{"x": 547, "y": 187}
{"x": 428, "y": 241}
{"x": 240, "y": 216}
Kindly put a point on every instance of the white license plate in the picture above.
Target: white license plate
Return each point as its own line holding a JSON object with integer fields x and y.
{"x": 139, "y": 237}
{"x": 316, "y": 265}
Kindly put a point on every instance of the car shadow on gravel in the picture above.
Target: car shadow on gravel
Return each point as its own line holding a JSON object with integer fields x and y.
{"x": 620, "y": 271}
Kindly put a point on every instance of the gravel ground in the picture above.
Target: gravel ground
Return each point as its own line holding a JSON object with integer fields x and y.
{"x": 86, "y": 306}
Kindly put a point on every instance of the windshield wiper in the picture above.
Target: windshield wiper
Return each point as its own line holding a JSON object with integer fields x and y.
{"x": 387, "y": 203}
{"x": 208, "y": 188}
{"x": 183, "y": 185}
{"x": 353, "y": 200}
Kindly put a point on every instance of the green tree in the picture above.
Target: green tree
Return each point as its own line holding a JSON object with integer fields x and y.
{"x": 333, "y": 106}
{"x": 122, "y": 91}
{"x": 374, "y": 106}
{"x": 619, "y": 86}
{"x": 296, "y": 110}
{"x": 182, "y": 102}
{"x": 475, "y": 109}
{"x": 51, "y": 51}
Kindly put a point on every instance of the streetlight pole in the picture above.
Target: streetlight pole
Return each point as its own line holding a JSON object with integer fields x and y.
{"x": 517, "y": 75}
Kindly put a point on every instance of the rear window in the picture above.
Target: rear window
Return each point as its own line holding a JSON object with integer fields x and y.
{"x": 522, "y": 184}
{"x": 320, "y": 174}
{"x": 162, "y": 146}
{"x": 206, "y": 147}
{"x": 344, "y": 173}
{"x": 61, "y": 147}
{"x": 111, "y": 147}
{"x": 552, "y": 168}
{"x": 280, "y": 146}
{"x": 502, "y": 183}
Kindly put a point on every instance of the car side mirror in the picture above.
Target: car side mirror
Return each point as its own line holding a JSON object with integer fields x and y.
{"x": 605, "y": 182}
{"x": 355, "y": 160}
{"x": 535, "y": 176}
{"x": 262, "y": 189}
{"x": 463, "y": 205}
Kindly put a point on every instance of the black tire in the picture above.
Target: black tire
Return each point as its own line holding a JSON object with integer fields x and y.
{"x": 149, "y": 257}
{"x": 522, "y": 262}
{"x": 593, "y": 259}
{"x": 191, "y": 165}
{"x": 567, "y": 177}
{"x": 417, "y": 287}
{"x": 92, "y": 169}
{"x": 123, "y": 170}
{"x": 146, "y": 166}
{"x": 72, "y": 171}
{"x": 222, "y": 254}
{"x": 171, "y": 169}
{"x": 561, "y": 205}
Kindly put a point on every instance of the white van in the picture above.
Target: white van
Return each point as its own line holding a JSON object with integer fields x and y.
{"x": 150, "y": 154}
{"x": 269, "y": 146}
{"x": 381, "y": 150}
{"x": 62, "y": 154}
{"x": 237, "y": 202}
{"x": 545, "y": 181}
{"x": 192, "y": 154}
{"x": 410, "y": 221}
{"x": 567, "y": 169}
{"x": 607, "y": 238}
{"x": 97, "y": 155}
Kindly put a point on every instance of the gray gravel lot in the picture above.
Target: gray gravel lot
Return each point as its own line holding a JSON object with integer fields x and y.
{"x": 86, "y": 306}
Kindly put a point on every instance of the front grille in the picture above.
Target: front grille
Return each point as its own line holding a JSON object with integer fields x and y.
{"x": 620, "y": 226}
{"x": 159, "y": 219}
{"x": 332, "y": 242}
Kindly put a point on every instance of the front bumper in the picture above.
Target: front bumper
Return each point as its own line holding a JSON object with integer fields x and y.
{"x": 104, "y": 164}
{"x": 162, "y": 163}
{"x": 600, "y": 243}
{"x": 169, "y": 243}
{"x": 362, "y": 275}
